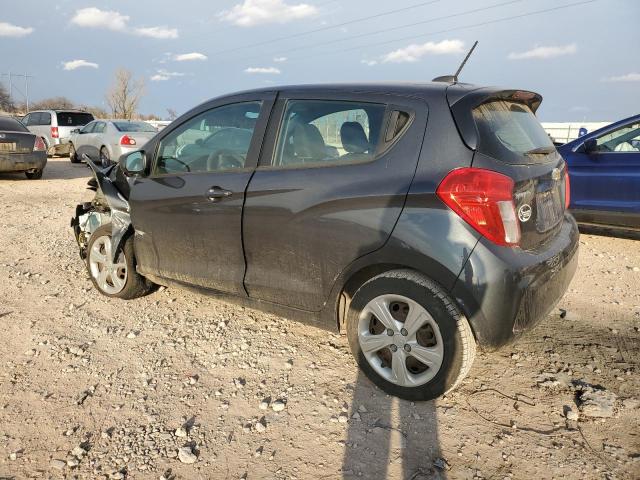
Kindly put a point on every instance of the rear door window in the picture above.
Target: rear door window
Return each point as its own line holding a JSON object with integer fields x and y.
{"x": 73, "y": 119}
{"x": 99, "y": 127}
{"x": 45, "y": 118}
{"x": 316, "y": 132}
{"x": 511, "y": 132}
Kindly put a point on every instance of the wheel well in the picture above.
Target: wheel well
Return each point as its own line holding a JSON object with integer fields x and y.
{"x": 355, "y": 281}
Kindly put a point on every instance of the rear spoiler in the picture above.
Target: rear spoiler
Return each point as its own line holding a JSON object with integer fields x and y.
{"x": 463, "y": 101}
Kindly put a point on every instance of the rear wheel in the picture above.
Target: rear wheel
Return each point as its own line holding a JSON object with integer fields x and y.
{"x": 114, "y": 279}
{"x": 34, "y": 175}
{"x": 408, "y": 336}
{"x": 73, "y": 156}
{"x": 105, "y": 159}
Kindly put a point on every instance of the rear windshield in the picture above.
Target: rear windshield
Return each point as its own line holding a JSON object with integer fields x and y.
{"x": 510, "y": 131}
{"x": 8, "y": 124}
{"x": 134, "y": 127}
{"x": 73, "y": 119}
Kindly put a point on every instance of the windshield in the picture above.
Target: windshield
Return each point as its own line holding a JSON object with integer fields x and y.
{"x": 73, "y": 119}
{"x": 507, "y": 128}
{"x": 9, "y": 124}
{"x": 134, "y": 127}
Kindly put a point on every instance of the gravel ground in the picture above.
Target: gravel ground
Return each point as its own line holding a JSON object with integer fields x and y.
{"x": 177, "y": 385}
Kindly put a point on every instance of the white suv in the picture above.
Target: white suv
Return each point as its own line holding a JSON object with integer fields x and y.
{"x": 54, "y": 126}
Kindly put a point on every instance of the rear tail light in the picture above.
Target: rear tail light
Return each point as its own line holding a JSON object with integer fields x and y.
{"x": 127, "y": 140}
{"x": 39, "y": 146}
{"x": 483, "y": 199}
{"x": 567, "y": 189}
{"x": 54, "y": 132}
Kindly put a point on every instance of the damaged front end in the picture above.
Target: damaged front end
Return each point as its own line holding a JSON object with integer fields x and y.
{"x": 110, "y": 205}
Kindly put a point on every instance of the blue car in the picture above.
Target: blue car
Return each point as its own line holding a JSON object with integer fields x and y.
{"x": 604, "y": 168}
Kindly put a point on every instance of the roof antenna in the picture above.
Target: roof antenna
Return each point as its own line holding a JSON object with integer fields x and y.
{"x": 454, "y": 78}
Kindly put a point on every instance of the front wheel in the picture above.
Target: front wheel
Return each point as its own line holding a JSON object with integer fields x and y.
{"x": 34, "y": 175}
{"x": 114, "y": 279}
{"x": 73, "y": 156}
{"x": 105, "y": 159}
{"x": 408, "y": 336}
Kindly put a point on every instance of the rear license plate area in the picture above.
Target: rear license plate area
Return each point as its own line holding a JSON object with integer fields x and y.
{"x": 7, "y": 146}
{"x": 549, "y": 210}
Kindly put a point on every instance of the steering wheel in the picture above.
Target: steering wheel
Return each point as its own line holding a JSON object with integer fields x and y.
{"x": 224, "y": 159}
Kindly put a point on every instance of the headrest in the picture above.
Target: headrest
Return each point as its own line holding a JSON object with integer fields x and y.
{"x": 354, "y": 140}
{"x": 308, "y": 142}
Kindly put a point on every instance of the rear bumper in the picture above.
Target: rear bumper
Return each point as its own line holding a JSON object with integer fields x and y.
{"x": 22, "y": 162}
{"x": 505, "y": 291}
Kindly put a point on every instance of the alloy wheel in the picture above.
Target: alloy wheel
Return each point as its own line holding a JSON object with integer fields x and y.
{"x": 111, "y": 277}
{"x": 400, "y": 340}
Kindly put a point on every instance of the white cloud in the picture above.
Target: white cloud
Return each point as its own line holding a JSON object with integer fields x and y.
{"x": 157, "y": 32}
{"x": 263, "y": 70}
{"x": 280, "y": 59}
{"x": 10, "y": 30}
{"x": 186, "y": 57}
{"x": 545, "y": 52}
{"x": 257, "y": 12}
{"x": 369, "y": 63}
{"x": 74, "y": 64}
{"x": 95, "y": 18}
{"x": 163, "y": 75}
{"x": 414, "y": 52}
{"x": 629, "y": 77}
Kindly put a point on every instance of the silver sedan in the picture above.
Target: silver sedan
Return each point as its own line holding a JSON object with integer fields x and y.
{"x": 104, "y": 141}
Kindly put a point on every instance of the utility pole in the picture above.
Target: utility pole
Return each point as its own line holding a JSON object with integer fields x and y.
{"x": 26, "y": 85}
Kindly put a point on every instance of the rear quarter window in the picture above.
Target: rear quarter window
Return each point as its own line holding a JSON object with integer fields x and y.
{"x": 510, "y": 131}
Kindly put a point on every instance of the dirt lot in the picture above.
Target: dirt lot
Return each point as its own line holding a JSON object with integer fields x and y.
{"x": 99, "y": 388}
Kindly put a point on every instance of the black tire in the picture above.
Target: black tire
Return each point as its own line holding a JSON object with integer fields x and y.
{"x": 136, "y": 285}
{"x": 73, "y": 156}
{"x": 105, "y": 159}
{"x": 457, "y": 338}
{"x": 37, "y": 175}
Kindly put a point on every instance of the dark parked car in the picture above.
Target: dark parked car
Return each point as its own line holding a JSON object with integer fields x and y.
{"x": 21, "y": 150}
{"x": 605, "y": 175}
{"x": 420, "y": 220}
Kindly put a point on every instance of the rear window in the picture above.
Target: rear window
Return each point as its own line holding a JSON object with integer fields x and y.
{"x": 8, "y": 124}
{"x": 510, "y": 131}
{"x": 73, "y": 119}
{"x": 134, "y": 127}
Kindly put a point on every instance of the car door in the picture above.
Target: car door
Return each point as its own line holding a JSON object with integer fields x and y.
{"x": 83, "y": 141}
{"x": 187, "y": 212}
{"x": 607, "y": 178}
{"x": 329, "y": 188}
{"x": 97, "y": 138}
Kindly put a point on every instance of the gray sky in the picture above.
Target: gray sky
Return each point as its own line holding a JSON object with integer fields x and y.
{"x": 583, "y": 59}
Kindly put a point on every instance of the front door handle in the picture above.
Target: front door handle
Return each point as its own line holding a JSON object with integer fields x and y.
{"x": 216, "y": 193}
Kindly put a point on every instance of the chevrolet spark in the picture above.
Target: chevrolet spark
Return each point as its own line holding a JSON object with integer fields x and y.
{"x": 423, "y": 221}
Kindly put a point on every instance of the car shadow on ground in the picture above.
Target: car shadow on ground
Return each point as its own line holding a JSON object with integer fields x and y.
{"x": 609, "y": 232}
{"x": 390, "y": 438}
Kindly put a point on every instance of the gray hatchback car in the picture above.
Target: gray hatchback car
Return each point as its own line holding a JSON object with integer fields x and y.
{"x": 55, "y": 126}
{"x": 421, "y": 220}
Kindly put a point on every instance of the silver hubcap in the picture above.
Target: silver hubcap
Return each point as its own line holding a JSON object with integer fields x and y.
{"x": 400, "y": 340}
{"x": 111, "y": 277}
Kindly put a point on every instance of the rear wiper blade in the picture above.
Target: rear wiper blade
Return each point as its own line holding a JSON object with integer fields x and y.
{"x": 540, "y": 150}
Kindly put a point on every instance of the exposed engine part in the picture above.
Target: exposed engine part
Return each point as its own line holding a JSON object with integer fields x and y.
{"x": 87, "y": 224}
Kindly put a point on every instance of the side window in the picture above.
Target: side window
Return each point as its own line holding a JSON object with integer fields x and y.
{"x": 45, "y": 118}
{"x": 88, "y": 127}
{"x": 218, "y": 139}
{"x": 35, "y": 119}
{"x": 317, "y": 131}
{"x": 99, "y": 127}
{"x": 25, "y": 120}
{"x": 624, "y": 139}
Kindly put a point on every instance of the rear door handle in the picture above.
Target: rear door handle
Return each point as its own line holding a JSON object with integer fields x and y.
{"x": 216, "y": 193}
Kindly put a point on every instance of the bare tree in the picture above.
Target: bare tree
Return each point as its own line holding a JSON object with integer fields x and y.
{"x": 124, "y": 95}
{"x": 52, "y": 103}
{"x": 172, "y": 114}
{"x": 6, "y": 103}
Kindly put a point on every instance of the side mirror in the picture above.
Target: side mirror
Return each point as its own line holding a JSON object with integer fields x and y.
{"x": 589, "y": 146}
{"x": 75, "y": 130}
{"x": 134, "y": 163}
